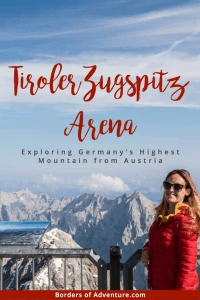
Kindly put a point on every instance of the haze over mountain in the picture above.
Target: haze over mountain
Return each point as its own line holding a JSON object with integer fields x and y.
{"x": 92, "y": 220}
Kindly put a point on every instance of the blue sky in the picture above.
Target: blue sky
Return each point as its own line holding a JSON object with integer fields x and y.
{"x": 121, "y": 37}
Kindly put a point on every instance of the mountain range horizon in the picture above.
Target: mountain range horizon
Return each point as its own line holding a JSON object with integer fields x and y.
{"x": 93, "y": 221}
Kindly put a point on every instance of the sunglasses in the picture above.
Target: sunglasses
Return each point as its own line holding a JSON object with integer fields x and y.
{"x": 177, "y": 186}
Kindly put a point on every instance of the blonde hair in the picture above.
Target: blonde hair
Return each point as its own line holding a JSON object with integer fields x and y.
{"x": 192, "y": 199}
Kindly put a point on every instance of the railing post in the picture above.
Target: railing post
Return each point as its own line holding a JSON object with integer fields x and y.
{"x": 102, "y": 274}
{"x": 128, "y": 279}
{"x": 81, "y": 275}
{"x": 33, "y": 272}
{"x": 17, "y": 279}
{"x": 115, "y": 267}
{"x": 1, "y": 273}
{"x": 128, "y": 269}
{"x": 65, "y": 275}
{"x": 49, "y": 275}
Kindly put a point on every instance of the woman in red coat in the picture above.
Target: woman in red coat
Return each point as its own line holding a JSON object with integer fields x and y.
{"x": 171, "y": 252}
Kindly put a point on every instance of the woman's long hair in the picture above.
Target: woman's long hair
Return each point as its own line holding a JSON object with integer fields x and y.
{"x": 192, "y": 199}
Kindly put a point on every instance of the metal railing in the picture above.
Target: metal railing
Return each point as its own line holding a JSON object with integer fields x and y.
{"x": 115, "y": 266}
{"x": 18, "y": 252}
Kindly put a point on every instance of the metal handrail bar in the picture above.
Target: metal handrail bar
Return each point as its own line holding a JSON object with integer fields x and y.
{"x": 29, "y": 252}
{"x": 131, "y": 262}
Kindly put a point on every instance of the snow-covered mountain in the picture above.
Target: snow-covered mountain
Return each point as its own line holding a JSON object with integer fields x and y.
{"x": 26, "y": 206}
{"x": 87, "y": 221}
{"x": 53, "y": 239}
{"x": 93, "y": 221}
{"x": 99, "y": 222}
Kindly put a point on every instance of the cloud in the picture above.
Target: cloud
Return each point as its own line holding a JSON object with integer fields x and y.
{"x": 89, "y": 25}
{"x": 49, "y": 178}
{"x": 187, "y": 66}
{"x": 166, "y": 40}
{"x": 100, "y": 182}
{"x": 179, "y": 11}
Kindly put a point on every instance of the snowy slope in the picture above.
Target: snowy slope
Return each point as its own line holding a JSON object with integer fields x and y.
{"x": 92, "y": 220}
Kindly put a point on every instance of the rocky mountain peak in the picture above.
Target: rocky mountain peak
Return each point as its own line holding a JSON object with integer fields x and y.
{"x": 92, "y": 220}
{"x": 55, "y": 239}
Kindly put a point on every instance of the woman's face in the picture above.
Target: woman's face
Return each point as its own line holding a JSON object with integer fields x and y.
{"x": 173, "y": 196}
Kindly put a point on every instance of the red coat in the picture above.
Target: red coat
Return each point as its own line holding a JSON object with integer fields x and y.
{"x": 173, "y": 252}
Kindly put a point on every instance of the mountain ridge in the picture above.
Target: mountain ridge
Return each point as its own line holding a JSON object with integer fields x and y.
{"x": 92, "y": 220}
